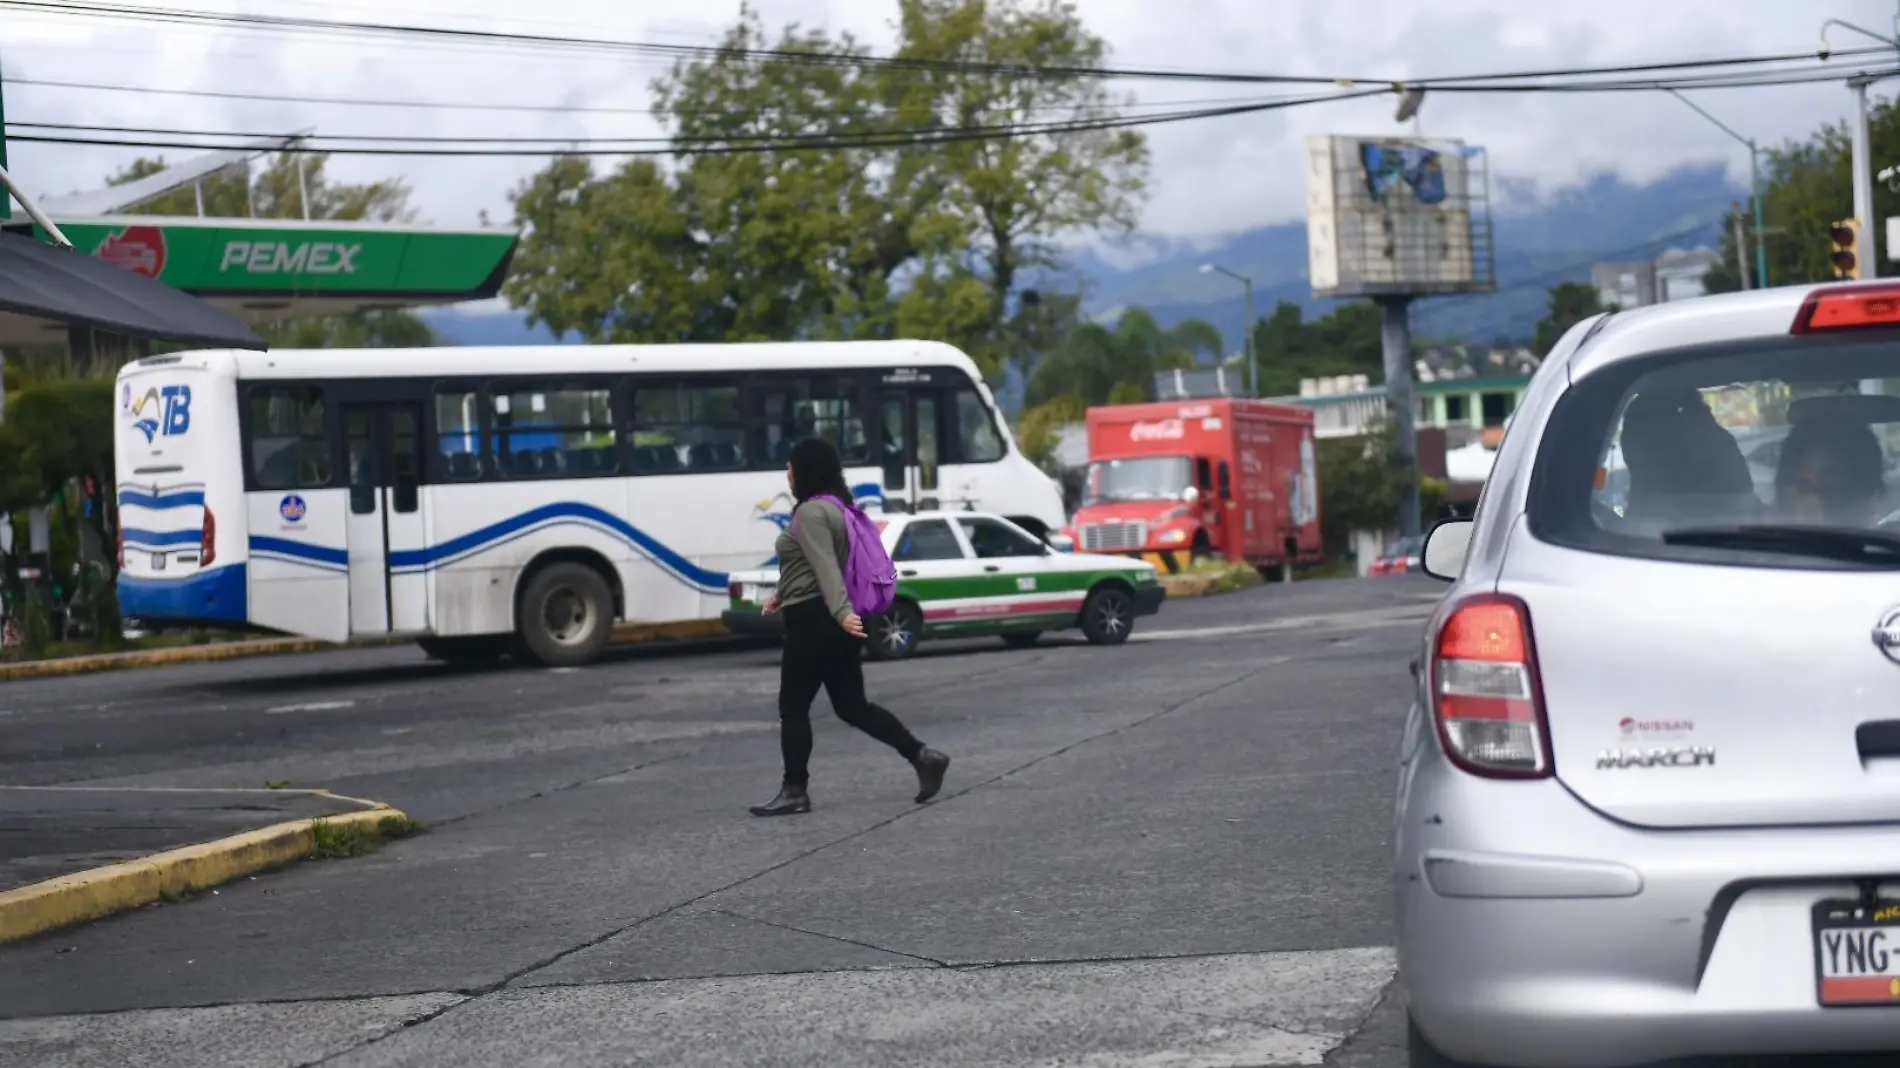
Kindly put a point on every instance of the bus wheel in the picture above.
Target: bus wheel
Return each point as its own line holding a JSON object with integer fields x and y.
{"x": 566, "y": 615}
{"x": 476, "y": 651}
{"x": 894, "y": 634}
{"x": 1108, "y": 616}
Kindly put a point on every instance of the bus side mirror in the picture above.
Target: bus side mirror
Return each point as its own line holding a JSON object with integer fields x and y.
{"x": 1226, "y": 482}
{"x": 1203, "y": 475}
{"x": 1445, "y": 547}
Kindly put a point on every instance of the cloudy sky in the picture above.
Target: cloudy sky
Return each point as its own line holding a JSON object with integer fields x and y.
{"x": 1213, "y": 176}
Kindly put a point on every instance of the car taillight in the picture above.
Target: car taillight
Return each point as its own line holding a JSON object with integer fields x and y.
{"x": 208, "y": 540}
{"x": 1486, "y": 694}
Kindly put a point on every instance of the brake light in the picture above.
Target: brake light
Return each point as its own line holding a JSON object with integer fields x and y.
{"x": 1848, "y": 308}
{"x": 1486, "y": 694}
{"x": 208, "y": 540}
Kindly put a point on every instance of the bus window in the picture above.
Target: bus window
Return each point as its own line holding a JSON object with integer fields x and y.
{"x": 679, "y": 427}
{"x": 458, "y": 428}
{"x": 790, "y": 408}
{"x": 977, "y": 439}
{"x": 553, "y": 431}
{"x": 290, "y": 444}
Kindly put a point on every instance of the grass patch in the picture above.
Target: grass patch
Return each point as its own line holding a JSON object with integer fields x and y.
{"x": 332, "y": 841}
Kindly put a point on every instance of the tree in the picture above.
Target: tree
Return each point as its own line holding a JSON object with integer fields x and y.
{"x": 1808, "y": 186}
{"x": 1345, "y": 341}
{"x": 1359, "y": 486}
{"x": 1101, "y": 365}
{"x": 881, "y": 223}
{"x": 1570, "y": 304}
{"x": 275, "y": 192}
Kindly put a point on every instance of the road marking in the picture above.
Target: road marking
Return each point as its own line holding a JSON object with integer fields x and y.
{"x": 313, "y": 706}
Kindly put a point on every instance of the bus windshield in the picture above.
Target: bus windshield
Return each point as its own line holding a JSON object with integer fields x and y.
{"x": 1148, "y": 478}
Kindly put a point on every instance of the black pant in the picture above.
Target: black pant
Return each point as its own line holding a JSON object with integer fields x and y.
{"x": 818, "y": 652}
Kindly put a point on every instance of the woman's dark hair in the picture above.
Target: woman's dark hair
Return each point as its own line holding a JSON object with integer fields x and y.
{"x": 1852, "y": 464}
{"x": 816, "y": 469}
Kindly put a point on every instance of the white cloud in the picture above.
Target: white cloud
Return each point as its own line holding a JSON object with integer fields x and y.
{"x": 1209, "y": 177}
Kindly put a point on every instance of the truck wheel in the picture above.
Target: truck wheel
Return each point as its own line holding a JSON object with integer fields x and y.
{"x": 481, "y": 650}
{"x": 1108, "y": 616}
{"x": 895, "y": 634}
{"x": 566, "y": 616}
{"x": 1022, "y": 639}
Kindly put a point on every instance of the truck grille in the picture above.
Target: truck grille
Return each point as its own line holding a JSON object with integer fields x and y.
{"x": 1114, "y": 537}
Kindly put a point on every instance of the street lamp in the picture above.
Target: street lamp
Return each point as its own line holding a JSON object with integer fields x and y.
{"x": 1253, "y": 370}
{"x": 1754, "y": 189}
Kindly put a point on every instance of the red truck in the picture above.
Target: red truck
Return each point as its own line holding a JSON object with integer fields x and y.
{"x": 1178, "y": 479}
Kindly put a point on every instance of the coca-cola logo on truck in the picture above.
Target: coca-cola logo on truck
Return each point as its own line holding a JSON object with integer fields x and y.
{"x": 1159, "y": 430}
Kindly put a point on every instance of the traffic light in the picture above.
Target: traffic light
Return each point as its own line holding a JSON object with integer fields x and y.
{"x": 1844, "y": 236}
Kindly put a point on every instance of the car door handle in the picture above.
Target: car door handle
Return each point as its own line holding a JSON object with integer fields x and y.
{"x": 908, "y": 574}
{"x": 991, "y": 567}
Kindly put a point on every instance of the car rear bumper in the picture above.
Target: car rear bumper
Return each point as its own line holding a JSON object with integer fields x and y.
{"x": 753, "y": 623}
{"x": 1148, "y": 599}
{"x": 1536, "y": 933}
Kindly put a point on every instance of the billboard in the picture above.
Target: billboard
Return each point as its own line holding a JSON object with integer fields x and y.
{"x": 1397, "y": 217}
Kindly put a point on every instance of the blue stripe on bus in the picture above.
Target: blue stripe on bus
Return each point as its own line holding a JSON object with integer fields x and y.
{"x": 560, "y": 514}
{"x": 217, "y": 595}
{"x": 181, "y": 499}
{"x": 157, "y": 538}
{"x": 301, "y": 551}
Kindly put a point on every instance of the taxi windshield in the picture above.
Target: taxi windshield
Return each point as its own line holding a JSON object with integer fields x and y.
{"x": 1148, "y": 478}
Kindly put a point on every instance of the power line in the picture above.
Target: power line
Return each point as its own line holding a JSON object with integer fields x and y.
{"x": 453, "y": 105}
{"x": 1019, "y": 70}
{"x": 724, "y": 146}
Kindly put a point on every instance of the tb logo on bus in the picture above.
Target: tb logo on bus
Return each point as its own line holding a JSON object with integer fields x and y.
{"x": 164, "y": 411}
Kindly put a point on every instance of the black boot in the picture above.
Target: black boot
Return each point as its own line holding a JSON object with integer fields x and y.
{"x": 791, "y": 800}
{"x": 930, "y": 766}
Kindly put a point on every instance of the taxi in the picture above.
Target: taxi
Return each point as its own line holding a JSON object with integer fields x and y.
{"x": 968, "y": 574}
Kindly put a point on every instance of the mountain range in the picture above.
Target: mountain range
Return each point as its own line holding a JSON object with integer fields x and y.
{"x": 1539, "y": 240}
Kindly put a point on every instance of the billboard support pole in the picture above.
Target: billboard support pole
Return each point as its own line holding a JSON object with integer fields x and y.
{"x": 1395, "y": 332}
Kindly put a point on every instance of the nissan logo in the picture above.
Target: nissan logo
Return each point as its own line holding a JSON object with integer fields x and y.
{"x": 1887, "y": 635}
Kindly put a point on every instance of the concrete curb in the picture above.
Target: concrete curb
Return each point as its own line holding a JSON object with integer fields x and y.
{"x": 100, "y": 892}
{"x": 625, "y": 634}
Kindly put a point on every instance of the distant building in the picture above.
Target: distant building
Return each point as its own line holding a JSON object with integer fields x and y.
{"x": 1674, "y": 275}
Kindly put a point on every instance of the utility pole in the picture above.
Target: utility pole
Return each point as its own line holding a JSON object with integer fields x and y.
{"x": 1741, "y": 245}
{"x": 1863, "y": 183}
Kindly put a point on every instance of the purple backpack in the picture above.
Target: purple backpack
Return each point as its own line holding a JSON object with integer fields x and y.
{"x": 870, "y": 579}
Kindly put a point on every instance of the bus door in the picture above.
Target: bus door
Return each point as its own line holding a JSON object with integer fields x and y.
{"x": 910, "y": 414}
{"x": 387, "y": 535}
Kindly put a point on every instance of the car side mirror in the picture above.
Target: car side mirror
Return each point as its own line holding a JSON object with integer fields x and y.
{"x": 1061, "y": 543}
{"x": 1444, "y": 554}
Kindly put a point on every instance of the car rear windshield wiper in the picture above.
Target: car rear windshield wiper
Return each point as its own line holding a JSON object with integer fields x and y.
{"x": 1854, "y": 545}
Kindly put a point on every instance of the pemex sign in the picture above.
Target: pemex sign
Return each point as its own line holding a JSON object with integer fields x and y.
{"x": 235, "y": 257}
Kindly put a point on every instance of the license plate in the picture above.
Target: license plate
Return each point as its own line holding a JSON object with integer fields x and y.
{"x": 1857, "y": 953}
{"x": 158, "y": 561}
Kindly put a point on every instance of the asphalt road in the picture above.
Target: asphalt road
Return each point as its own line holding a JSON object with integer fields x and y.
{"x": 1170, "y": 854}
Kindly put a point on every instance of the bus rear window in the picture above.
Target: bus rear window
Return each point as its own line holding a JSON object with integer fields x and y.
{"x": 1661, "y": 456}
{"x": 289, "y": 442}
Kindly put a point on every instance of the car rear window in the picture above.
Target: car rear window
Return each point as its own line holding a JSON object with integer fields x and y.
{"x": 1669, "y": 455}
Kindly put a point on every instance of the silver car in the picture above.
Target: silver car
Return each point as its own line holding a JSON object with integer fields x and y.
{"x": 1649, "y": 798}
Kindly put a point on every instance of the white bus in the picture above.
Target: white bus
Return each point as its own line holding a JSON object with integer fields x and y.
{"x": 524, "y": 499}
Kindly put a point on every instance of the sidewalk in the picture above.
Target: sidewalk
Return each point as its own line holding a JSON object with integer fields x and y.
{"x": 69, "y": 854}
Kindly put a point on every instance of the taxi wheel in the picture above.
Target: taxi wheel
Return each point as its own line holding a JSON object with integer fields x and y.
{"x": 1022, "y": 639}
{"x": 894, "y": 634}
{"x": 1419, "y": 1052}
{"x": 1108, "y": 616}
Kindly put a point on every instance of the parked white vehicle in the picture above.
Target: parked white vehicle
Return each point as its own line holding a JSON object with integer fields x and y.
{"x": 485, "y": 500}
